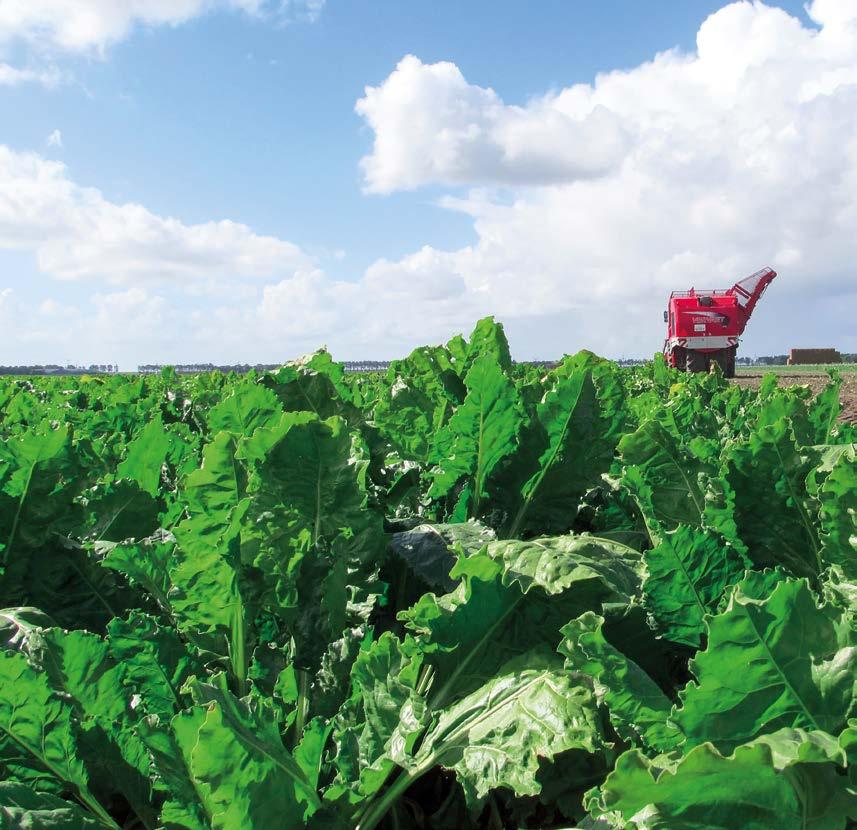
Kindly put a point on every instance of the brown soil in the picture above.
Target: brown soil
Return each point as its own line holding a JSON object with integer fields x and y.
{"x": 816, "y": 382}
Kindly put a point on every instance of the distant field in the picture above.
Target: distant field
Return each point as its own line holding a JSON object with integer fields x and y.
{"x": 809, "y": 369}
{"x": 815, "y": 377}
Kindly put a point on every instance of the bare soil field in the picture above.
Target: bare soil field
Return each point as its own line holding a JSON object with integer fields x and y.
{"x": 815, "y": 380}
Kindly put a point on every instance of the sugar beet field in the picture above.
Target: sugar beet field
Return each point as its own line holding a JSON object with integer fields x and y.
{"x": 458, "y": 594}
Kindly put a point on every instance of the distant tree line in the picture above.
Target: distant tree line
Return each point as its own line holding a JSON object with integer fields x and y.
{"x": 349, "y": 365}
{"x": 55, "y": 369}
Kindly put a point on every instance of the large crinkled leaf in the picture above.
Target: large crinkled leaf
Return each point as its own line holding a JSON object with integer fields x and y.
{"x": 428, "y": 549}
{"x": 482, "y": 433}
{"x": 488, "y": 338}
{"x": 823, "y": 413}
{"x": 834, "y": 484}
{"x": 313, "y": 470}
{"x": 775, "y": 515}
{"x": 788, "y": 779}
{"x": 639, "y": 710}
{"x": 40, "y": 475}
{"x": 575, "y": 444}
{"x": 34, "y": 468}
{"x": 423, "y": 392}
{"x": 186, "y": 805}
{"x": 664, "y": 478}
{"x": 687, "y": 574}
{"x": 118, "y": 510}
{"x": 79, "y": 667}
{"x": 514, "y": 597}
{"x": 37, "y": 741}
{"x": 215, "y": 489}
{"x": 248, "y": 407}
{"x": 773, "y": 660}
{"x": 314, "y": 383}
{"x": 249, "y": 779}
{"x": 208, "y": 597}
{"x": 23, "y": 809}
{"x": 154, "y": 447}
{"x": 145, "y": 563}
{"x": 497, "y": 736}
{"x": 386, "y": 709}
{"x": 311, "y": 530}
{"x": 156, "y": 662}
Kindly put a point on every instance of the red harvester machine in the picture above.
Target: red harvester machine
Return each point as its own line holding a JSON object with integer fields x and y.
{"x": 703, "y": 327}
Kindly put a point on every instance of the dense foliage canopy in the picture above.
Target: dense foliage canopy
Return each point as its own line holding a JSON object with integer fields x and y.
{"x": 461, "y": 594}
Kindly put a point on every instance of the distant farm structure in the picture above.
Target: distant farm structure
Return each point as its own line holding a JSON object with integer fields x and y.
{"x": 804, "y": 357}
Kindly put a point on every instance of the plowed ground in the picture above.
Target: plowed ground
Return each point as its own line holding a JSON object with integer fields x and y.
{"x": 815, "y": 381}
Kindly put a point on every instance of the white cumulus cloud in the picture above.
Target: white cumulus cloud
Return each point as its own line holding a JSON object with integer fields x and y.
{"x": 588, "y": 205}
{"x": 739, "y": 155}
{"x": 431, "y": 125}
{"x": 13, "y": 75}
{"x": 75, "y": 233}
{"x": 93, "y": 25}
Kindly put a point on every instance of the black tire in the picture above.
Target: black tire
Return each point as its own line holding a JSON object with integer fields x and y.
{"x": 695, "y": 361}
{"x": 730, "y": 363}
{"x": 680, "y": 358}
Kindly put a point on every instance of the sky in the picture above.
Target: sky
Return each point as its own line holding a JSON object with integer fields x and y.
{"x": 234, "y": 181}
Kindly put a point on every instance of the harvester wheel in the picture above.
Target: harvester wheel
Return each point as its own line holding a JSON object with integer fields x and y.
{"x": 695, "y": 361}
{"x": 730, "y": 362}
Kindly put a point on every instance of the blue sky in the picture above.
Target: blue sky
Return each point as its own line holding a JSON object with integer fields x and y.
{"x": 249, "y": 115}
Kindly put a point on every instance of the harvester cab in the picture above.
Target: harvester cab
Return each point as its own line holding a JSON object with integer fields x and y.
{"x": 703, "y": 327}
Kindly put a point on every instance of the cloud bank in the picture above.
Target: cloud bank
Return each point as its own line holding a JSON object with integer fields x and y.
{"x": 77, "y": 234}
{"x": 712, "y": 164}
{"x": 49, "y": 28}
{"x": 588, "y": 205}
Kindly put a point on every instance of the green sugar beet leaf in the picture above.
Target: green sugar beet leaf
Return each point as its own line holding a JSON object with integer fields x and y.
{"x": 834, "y": 484}
{"x": 156, "y": 662}
{"x": 774, "y": 514}
{"x": 22, "y": 808}
{"x": 118, "y": 510}
{"x": 315, "y": 383}
{"x": 483, "y": 432}
{"x": 249, "y": 407}
{"x": 664, "y": 478}
{"x": 34, "y": 469}
{"x": 688, "y": 573}
{"x": 249, "y": 779}
{"x": 639, "y": 710}
{"x": 146, "y": 563}
{"x": 488, "y": 338}
{"x": 788, "y": 779}
{"x": 773, "y": 660}
{"x": 574, "y": 434}
{"x": 514, "y": 597}
{"x": 496, "y": 736}
{"x": 153, "y": 447}
{"x": 424, "y": 390}
{"x": 314, "y": 469}
{"x": 208, "y": 597}
{"x": 78, "y": 666}
{"x": 186, "y": 805}
{"x": 386, "y": 706}
{"x": 40, "y": 476}
{"x": 211, "y": 603}
{"x": 37, "y": 741}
